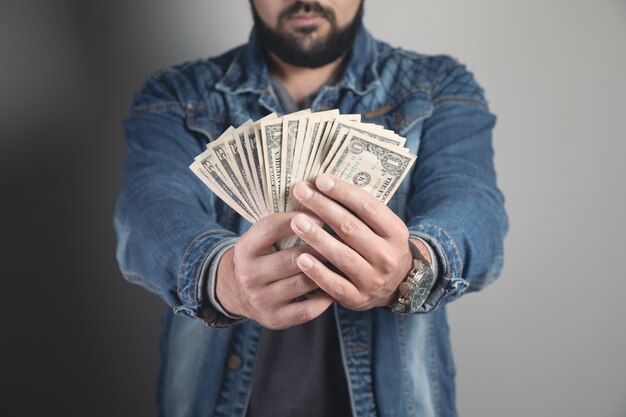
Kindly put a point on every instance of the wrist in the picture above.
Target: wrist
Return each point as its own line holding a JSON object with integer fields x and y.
{"x": 225, "y": 285}
{"x": 424, "y": 250}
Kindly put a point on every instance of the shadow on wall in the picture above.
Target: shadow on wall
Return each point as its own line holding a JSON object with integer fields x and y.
{"x": 80, "y": 341}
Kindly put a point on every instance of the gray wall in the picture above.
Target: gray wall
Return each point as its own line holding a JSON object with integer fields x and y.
{"x": 547, "y": 339}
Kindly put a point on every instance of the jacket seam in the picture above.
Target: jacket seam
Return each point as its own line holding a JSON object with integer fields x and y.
{"x": 433, "y": 371}
{"x": 406, "y": 391}
{"x": 167, "y": 105}
{"x": 459, "y": 99}
{"x": 157, "y": 107}
{"x": 444, "y": 72}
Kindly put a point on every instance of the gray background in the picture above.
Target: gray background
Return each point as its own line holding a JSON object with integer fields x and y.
{"x": 547, "y": 339}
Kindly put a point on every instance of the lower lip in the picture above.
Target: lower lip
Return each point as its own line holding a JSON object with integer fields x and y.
{"x": 306, "y": 20}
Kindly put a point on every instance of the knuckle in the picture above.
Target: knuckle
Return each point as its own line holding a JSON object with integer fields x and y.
{"x": 270, "y": 321}
{"x": 239, "y": 249}
{"x": 349, "y": 225}
{"x": 255, "y": 300}
{"x": 378, "y": 284}
{"x": 296, "y": 285}
{"x": 262, "y": 225}
{"x": 371, "y": 204}
{"x": 403, "y": 233}
{"x": 339, "y": 290}
{"x": 292, "y": 262}
{"x": 388, "y": 262}
{"x": 361, "y": 304}
{"x": 367, "y": 302}
{"x": 359, "y": 307}
{"x": 304, "y": 315}
{"x": 247, "y": 279}
{"x": 340, "y": 293}
{"x": 319, "y": 202}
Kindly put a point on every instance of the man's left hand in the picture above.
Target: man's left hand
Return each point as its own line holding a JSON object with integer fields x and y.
{"x": 372, "y": 249}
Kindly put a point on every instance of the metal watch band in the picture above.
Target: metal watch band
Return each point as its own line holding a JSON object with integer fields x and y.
{"x": 414, "y": 289}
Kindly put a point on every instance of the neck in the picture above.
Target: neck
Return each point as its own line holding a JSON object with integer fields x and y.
{"x": 303, "y": 82}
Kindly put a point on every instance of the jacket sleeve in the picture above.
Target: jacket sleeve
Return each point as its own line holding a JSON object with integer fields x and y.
{"x": 165, "y": 219}
{"x": 456, "y": 205}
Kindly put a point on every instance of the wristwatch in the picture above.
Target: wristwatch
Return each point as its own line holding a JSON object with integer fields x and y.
{"x": 414, "y": 289}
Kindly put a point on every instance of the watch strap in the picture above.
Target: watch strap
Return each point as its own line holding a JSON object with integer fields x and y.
{"x": 414, "y": 289}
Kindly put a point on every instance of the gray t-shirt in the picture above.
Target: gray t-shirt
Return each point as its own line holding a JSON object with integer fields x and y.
{"x": 299, "y": 371}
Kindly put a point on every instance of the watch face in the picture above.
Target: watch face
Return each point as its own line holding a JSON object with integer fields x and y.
{"x": 422, "y": 290}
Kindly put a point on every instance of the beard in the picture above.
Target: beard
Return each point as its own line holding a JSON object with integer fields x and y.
{"x": 300, "y": 49}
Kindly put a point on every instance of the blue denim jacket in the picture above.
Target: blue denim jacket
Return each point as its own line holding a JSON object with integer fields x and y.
{"x": 170, "y": 226}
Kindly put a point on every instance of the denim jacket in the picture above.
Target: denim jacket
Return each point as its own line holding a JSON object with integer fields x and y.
{"x": 170, "y": 226}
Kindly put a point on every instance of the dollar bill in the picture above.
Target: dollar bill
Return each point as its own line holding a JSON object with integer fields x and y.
{"x": 210, "y": 174}
{"x": 259, "y": 148}
{"x": 243, "y": 157}
{"x": 344, "y": 121}
{"x": 260, "y": 169}
{"x": 233, "y": 176}
{"x": 271, "y": 141}
{"x": 243, "y": 172}
{"x": 323, "y": 143}
{"x": 371, "y": 164}
{"x": 294, "y": 129}
{"x": 318, "y": 139}
{"x": 249, "y": 146}
{"x": 305, "y": 147}
{"x": 339, "y": 134}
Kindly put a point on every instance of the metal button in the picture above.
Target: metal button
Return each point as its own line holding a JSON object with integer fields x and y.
{"x": 233, "y": 362}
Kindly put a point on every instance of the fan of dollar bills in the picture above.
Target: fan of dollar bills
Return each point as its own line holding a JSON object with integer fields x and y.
{"x": 254, "y": 167}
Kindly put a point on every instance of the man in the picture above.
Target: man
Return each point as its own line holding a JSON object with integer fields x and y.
{"x": 268, "y": 350}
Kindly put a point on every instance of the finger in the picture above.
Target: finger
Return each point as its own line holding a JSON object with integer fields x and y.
{"x": 349, "y": 227}
{"x": 287, "y": 289}
{"x": 380, "y": 218}
{"x": 300, "y": 312}
{"x": 260, "y": 238}
{"x": 341, "y": 256}
{"x": 342, "y": 290}
{"x": 279, "y": 265}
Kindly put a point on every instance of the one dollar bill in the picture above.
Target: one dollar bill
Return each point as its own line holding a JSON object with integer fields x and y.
{"x": 371, "y": 164}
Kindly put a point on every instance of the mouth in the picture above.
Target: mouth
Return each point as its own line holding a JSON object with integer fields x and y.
{"x": 306, "y": 16}
{"x": 306, "y": 19}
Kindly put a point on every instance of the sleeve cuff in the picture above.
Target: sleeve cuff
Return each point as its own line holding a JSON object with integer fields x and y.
{"x": 211, "y": 275}
{"x": 445, "y": 288}
{"x": 212, "y": 314}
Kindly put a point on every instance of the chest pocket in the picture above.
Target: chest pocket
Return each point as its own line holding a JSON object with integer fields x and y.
{"x": 405, "y": 116}
{"x": 208, "y": 127}
{"x": 401, "y": 114}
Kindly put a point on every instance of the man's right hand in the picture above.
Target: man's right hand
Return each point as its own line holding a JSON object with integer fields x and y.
{"x": 256, "y": 281}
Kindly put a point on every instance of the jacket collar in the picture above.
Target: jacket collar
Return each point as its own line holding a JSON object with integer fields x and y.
{"x": 248, "y": 71}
